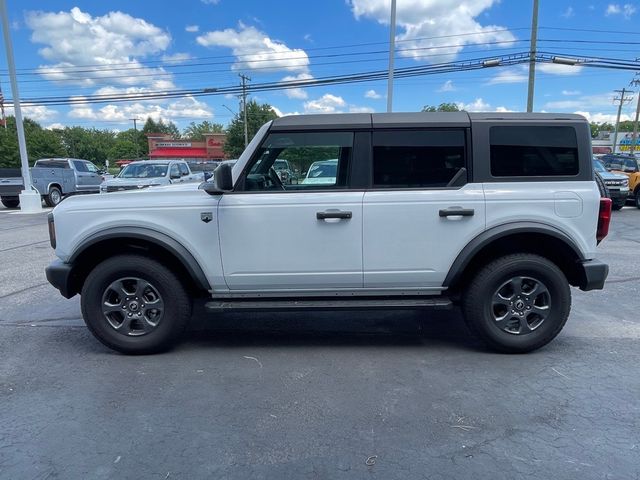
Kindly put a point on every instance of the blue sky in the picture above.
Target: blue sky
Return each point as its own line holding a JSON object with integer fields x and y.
{"x": 141, "y": 46}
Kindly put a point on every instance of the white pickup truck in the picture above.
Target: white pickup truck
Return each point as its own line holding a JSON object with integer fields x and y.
{"x": 498, "y": 213}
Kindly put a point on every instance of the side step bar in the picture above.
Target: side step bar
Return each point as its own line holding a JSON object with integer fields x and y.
{"x": 258, "y": 305}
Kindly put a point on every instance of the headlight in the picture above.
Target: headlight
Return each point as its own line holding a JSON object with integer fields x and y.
{"x": 625, "y": 183}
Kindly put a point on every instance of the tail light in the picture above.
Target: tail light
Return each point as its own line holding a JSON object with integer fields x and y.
{"x": 604, "y": 219}
{"x": 52, "y": 230}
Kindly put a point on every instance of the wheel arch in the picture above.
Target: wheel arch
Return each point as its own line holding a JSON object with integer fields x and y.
{"x": 520, "y": 237}
{"x": 54, "y": 184}
{"x": 141, "y": 240}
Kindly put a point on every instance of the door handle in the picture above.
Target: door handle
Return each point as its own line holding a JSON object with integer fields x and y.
{"x": 457, "y": 212}
{"x": 335, "y": 214}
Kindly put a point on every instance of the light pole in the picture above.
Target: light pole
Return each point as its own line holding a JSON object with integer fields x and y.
{"x": 532, "y": 56}
{"x": 392, "y": 51}
{"x": 30, "y": 200}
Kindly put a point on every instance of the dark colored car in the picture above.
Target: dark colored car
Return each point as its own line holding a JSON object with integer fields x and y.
{"x": 617, "y": 185}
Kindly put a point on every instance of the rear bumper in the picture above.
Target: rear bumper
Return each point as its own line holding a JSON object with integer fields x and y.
{"x": 59, "y": 274}
{"x": 593, "y": 273}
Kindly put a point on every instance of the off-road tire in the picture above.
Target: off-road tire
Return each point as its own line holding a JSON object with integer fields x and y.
{"x": 176, "y": 301}
{"x": 617, "y": 205}
{"x": 477, "y": 305}
{"x": 10, "y": 202}
{"x": 637, "y": 197}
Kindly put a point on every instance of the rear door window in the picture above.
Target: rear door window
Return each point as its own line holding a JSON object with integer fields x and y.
{"x": 533, "y": 151}
{"x": 417, "y": 159}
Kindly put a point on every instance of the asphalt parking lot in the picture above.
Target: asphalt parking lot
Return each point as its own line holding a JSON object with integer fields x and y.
{"x": 324, "y": 395}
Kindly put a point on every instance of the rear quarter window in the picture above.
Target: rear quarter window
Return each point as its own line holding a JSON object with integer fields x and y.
{"x": 533, "y": 151}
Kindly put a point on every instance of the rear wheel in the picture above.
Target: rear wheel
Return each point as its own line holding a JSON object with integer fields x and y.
{"x": 10, "y": 202}
{"x": 54, "y": 197}
{"x": 517, "y": 303}
{"x": 135, "y": 305}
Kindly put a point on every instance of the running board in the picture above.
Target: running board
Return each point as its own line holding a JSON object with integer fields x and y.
{"x": 254, "y": 305}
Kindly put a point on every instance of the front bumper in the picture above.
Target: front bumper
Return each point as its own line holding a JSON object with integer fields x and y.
{"x": 60, "y": 275}
{"x": 593, "y": 275}
{"x": 618, "y": 194}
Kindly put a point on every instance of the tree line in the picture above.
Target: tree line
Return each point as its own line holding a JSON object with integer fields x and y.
{"x": 100, "y": 145}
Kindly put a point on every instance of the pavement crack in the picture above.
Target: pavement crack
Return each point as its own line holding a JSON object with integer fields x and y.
{"x": 24, "y": 290}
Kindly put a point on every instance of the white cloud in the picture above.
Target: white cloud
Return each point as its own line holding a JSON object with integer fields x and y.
{"x": 55, "y": 126}
{"x": 509, "y": 75}
{"x": 254, "y": 49}
{"x": 568, "y": 13}
{"x": 627, "y": 10}
{"x": 479, "y": 105}
{"x": 297, "y": 93}
{"x": 372, "y": 94}
{"x": 328, "y": 103}
{"x": 76, "y": 38}
{"x": 39, "y": 113}
{"x": 447, "y": 87}
{"x": 177, "y": 57}
{"x": 569, "y": 93}
{"x": 600, "y": 117}
{"x": 559, "y": 69}
{"x": 282, "y": 114}
{"x": 210, "y": 2}
{"x": 420, "y": 21}
{"x": 188, "y": 107}
{"x": 192, "y": 28}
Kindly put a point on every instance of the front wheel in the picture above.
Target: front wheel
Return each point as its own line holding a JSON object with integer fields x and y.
{"x": 517, "y": 303}
{"x": 135, "y": 305}
{"x": 637, "y": 197}
{"x": 618, "y": 205}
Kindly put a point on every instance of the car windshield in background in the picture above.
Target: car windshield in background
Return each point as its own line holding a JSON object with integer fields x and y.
{"x": 281, "y": 165}
{"x": 598, "y": 166}
{"x": 323, "y": 170}
{"x": 144, "y": 170}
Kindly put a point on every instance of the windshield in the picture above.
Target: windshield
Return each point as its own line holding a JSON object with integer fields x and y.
{"x": 598, "y": 167}
{"x": 318, "y": 170}
{"x": 144, "y": 170}
{"x": 281, "y": 165}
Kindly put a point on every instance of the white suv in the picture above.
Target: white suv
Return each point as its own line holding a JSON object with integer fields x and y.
{"x": 496, "y": 212}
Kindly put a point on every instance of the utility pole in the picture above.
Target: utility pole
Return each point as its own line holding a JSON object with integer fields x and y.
{"x": 245, "y": 79}
{"x": 30, "y": 200}
{"x": 135, "y": 127}
{"x": 623, "y": 99}
{"x": 532, "y": 56}
{"x": 392, "y": 52}
{"x": 635, "y": 83}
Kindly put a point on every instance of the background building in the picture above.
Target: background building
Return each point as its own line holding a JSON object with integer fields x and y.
{"x": 163, "y": 146}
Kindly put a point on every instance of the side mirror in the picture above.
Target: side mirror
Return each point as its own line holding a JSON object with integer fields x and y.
{"x": 222, "y": 181}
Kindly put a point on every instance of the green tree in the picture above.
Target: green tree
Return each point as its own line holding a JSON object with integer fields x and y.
{"x": 87, "y": 143}
{"x": 41, "y": 143}
{"x": 196, "y": 131}
{"x": 257, "y": 115}
{"x": 123, "y": 148}
{"x": 443, "y": 107}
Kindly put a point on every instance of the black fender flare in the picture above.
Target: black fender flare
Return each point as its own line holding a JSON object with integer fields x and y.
{"x": 488, "y": 236}
{"x": 154, "y": 237}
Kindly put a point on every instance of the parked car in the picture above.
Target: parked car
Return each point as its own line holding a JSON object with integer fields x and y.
{"x": 499, "y": 214}
{"x": 11, "y": 184}
{"x": 631, "y": 168}
{"x": 617, "y": 185}
{"x": 322, "y": 172}
{"x": 151, "y": 173}
{"x": 55, "y": 179}
{"x": 614, "y": 161}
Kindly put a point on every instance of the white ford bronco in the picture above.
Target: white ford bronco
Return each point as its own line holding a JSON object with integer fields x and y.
{"x": 496, "y": 212}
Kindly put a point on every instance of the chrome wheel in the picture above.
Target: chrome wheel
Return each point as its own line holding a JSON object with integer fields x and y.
{"x": 132, "y": 306}
{"x": 55, "y": 196}
{"x": 521, "y": 305}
